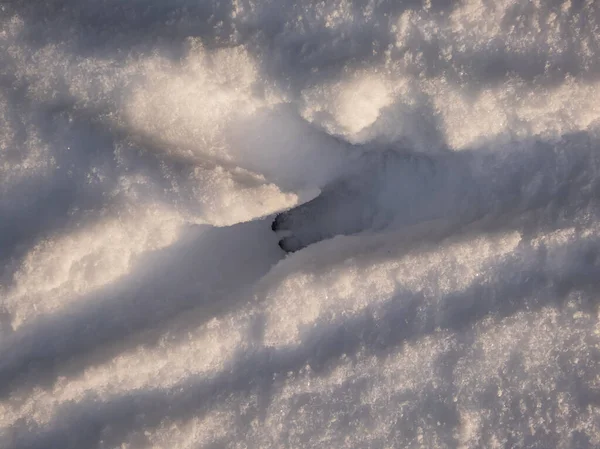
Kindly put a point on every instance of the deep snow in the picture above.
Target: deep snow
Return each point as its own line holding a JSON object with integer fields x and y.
{"x": 146, "y": 146}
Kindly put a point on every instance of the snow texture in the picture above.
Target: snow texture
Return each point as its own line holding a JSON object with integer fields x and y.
{"x": 432, "y": 168}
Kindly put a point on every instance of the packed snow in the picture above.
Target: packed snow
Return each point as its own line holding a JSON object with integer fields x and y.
{"x": 437, "y": 164}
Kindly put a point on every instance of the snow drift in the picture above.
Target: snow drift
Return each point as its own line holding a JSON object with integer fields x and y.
{"x": 146, "y": 147}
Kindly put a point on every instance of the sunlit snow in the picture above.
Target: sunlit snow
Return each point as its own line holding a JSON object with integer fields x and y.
{"x": 146, "y": 147}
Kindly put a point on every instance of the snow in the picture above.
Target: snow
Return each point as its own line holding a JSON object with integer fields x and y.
{"x": 146, "y": 147}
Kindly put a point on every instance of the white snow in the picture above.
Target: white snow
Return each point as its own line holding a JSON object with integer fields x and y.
{"x": 145, "y": 148}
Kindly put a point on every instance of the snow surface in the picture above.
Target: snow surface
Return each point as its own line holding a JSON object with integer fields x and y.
{"x": 145, "y": 148}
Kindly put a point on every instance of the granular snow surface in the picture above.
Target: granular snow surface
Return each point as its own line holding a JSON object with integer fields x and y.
{"x": 146, "y": 147}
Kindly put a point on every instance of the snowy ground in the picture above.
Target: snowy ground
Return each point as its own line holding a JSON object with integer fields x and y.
{"x": 145, "y": 147}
